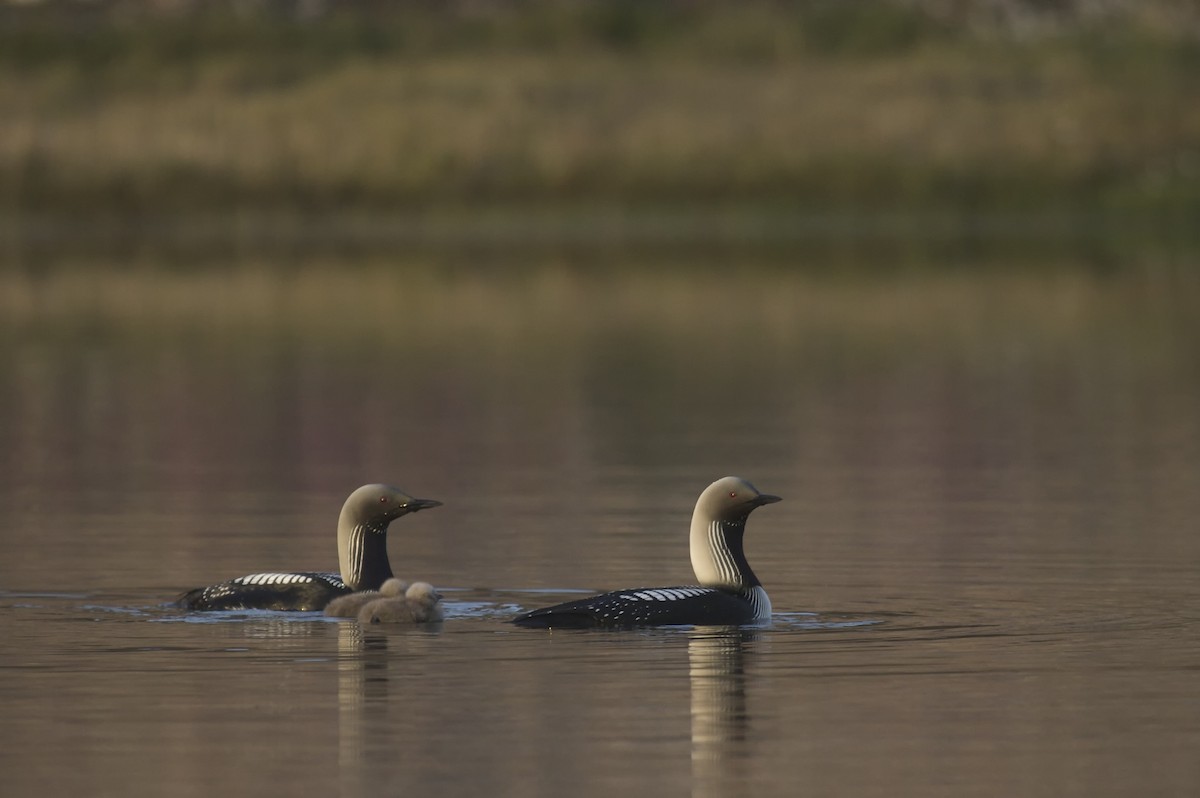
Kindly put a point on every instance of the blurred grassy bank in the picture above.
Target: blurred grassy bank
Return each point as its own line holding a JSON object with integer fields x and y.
{"x": 1140, "y": 320}
{"x": 109, "y": 111}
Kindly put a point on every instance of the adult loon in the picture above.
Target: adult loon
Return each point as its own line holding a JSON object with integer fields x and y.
{"x": 421, "y": 603}
{"x": 728, "y": 594}
{"x": 362, "y": 556}
{"x": 347, "y": 606}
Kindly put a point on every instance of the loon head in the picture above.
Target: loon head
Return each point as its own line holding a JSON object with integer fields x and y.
{"x": 731, "y": 499}
{"x": 718, "y": 525}
{"x": 362, "y": 532}
{"x": 377, "y": 506}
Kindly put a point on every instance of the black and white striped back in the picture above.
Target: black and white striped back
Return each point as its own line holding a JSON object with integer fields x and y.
{"x": 655, "y": 606}
{"x": 302, "y": 592}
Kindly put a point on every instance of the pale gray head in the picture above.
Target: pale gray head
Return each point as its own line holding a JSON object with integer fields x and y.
{"x": 379, "y": 505}
{"x": 731, "y": 499}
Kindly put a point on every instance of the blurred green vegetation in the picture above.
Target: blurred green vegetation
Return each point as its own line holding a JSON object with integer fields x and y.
{"x": 123, "y": 108}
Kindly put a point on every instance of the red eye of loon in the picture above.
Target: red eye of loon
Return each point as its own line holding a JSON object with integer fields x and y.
{"x": 733, "y": 494}
{"x": 383, "y": 499}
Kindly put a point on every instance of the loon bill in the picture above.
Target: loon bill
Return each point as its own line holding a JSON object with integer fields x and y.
{"x": 728, "y": 592}
{"x": 362, "y": 557}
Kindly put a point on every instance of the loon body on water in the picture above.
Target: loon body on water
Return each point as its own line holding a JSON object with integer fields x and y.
{"x": 421, "y": 603}
{"x": 362, "y": 557}
{"x": 729, "y": 593}
{"x": 347, "y": 606}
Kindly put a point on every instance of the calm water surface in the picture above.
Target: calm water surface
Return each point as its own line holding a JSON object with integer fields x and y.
{"x": 984, "y": 570}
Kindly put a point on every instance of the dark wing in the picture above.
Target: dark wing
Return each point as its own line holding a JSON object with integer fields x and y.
{"x": 297, "y": 592}
{"x": 644, "y": 606}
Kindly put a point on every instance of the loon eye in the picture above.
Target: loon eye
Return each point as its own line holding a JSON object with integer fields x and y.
{"x": 383, "y": 499}
{"x": 733, "y": 494}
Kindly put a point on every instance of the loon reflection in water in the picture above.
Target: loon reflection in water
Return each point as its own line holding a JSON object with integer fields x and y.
{"x": 729, "y": 593}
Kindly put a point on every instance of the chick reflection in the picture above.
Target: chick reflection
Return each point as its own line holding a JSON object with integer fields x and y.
{"x": 719, "y": 716}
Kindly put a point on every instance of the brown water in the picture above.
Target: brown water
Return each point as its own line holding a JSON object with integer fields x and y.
{"x": 984, "y": 572}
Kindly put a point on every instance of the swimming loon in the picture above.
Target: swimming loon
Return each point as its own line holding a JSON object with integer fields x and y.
{"x": 421, "y": 603}
{"x": 362, "y": 556}
{"x": 347, "y": 606}
{"x": 728, "y": 594}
